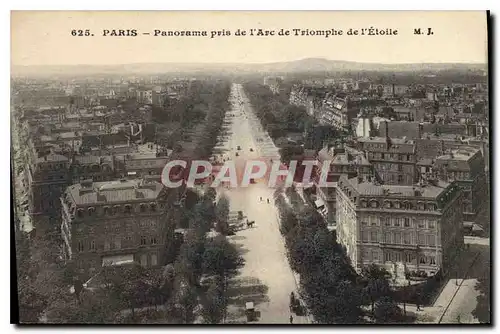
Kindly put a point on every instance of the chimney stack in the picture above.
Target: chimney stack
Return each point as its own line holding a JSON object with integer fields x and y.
{"x": 387, "y": 138}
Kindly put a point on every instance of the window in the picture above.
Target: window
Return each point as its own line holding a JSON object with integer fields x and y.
{"x": 153, "y": 241}
{"x": 374, "y": 221}
{"x": 374, "y": 236}
{"x": 116, "y": 209}
{"x": 80, "y": 213}
{"x": 143, "y": 241}
{"x": 128, "y": 209}
{"x": 154, "y": 259}
{"x": 387, "y": 204}
{"x": 80, "y": 246}
{"x": 421, "y": 239}
{"x": 420, "y": 223}
{"x": 107, "y": 245}
{"x": 397, "y": 237}
{"x": 397, "y": 222}
{"x": 406, "y": 222}
{"x": 387, "y": 256}
{"x": 422, "y": 260}
{"x": 431, "y": 224}
{"x": 387, "y": 221}
{"x": 364, "y": 236}
{"x": 387, "y": 237}
{"x": 143, "y": 207}
{"x": 375, "y": 256}
{"x": 409, "y": 257}
{"x": 406, "y": 238}
{"x": 153, "y": 206}
{"x": 107, "y": 210}
{"x": 144, "y": 260}
{"x": 118, "y": 243}
{"x": 398, "y": 257}
{"x": 431, "y": 240}
{"x": 92, "y": 245}
{"x": 397, "y": 205}
{"x": 432, "y": 260}
{"x": 374, "y": 204}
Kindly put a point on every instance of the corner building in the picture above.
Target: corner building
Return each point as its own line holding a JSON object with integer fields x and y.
{"x": 117, "y": 222}
{"x": 404, "y": 229}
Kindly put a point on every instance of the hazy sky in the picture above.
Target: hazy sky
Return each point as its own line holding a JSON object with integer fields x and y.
{"x": 44, "y": 38}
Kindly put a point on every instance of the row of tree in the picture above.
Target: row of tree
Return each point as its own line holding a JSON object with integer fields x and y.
{"x": 279, "y": 117}
{"x": 332, "y": 290}
{"x": 275, "y": 112}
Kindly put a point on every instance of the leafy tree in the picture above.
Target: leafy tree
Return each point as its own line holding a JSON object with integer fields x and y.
{"x": 221, "y": 258}
{"x": 222, "y": 213}
{"x": 96, "y": 307}
{"x": 190, "y": 261}
{"x": 288, "y": 152}
{"x": 187, "y": 301}
{"x": 377, "y": 285}
{"x": 387, "y": 310}
{"x": 40, "y": 282}
{"x": 214, "y": 306}
{"x": 483, "y": 308}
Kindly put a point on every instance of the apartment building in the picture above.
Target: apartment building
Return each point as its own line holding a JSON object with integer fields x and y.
{"x": 116, "y": 222}
{"x": 393, "y": 158}
{"x": 342, "y": 161}
{"x": 465, "y": 167}
{"x": 407, "y": 230}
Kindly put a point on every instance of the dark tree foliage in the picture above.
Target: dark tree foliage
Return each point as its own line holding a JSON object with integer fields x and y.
{"x": 221, "y": 258}
{"x": 274, "y": 110}
{"x": 222, "y": 214}
{"x": 387, "y": 311}
{"x": 214, "y": 306}
{"x": 483, "y": 308}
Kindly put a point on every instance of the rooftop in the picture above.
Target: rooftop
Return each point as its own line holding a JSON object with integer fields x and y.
{"x": 368, "y": 188}
{"x": 115, "y": 191}
{"x": 52, "y": 157}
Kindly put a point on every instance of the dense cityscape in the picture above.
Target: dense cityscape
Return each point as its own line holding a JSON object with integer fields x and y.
{"x": 402, "y": 236}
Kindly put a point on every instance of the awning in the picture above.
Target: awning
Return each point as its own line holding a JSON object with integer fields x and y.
{"x": 477, "y": 228}
{"x": 117, "y": 260}
{"x": 319, "y": 203}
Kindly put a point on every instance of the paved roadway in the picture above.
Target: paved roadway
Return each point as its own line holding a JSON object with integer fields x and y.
{"x": 266, "y": 279}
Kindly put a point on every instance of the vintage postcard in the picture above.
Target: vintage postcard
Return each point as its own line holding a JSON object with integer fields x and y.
{"x": 251, "y": 167}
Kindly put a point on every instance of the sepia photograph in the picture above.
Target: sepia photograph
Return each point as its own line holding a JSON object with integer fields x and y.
{"x": 250, "y": 167}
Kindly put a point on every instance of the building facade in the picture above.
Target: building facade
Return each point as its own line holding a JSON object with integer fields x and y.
{"x": 406, "y": 230}
{"x": 394, "y": 159}
{"x": 342, "y": 161}
{"x": 466, "y": 168}
{"x": 109, "y": 223}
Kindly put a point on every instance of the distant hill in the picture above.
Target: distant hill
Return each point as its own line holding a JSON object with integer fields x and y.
{"x": 298, "y": 66}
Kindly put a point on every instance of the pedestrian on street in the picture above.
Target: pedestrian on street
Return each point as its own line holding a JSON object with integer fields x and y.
{"x": 268, "y": 201}
{"x": 261, "y": 198}
{"x": 291, "y": 319}
{"x": 418, "y": 307}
